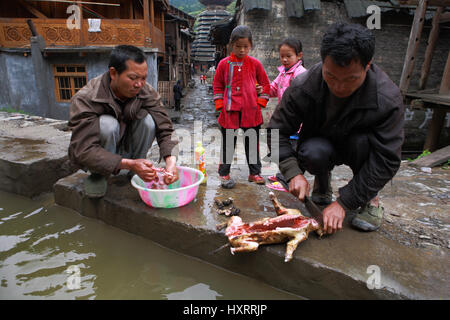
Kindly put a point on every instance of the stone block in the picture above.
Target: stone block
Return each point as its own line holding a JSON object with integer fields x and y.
{"x": 33, "y": 154}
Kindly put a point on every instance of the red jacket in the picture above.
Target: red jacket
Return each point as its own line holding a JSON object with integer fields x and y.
{"x": 235, "y": 92}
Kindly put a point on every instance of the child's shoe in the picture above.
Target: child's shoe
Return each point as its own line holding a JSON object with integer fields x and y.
{"x": 226, "y": 182}
{"x": 276, "y": 186}
{"x": 256, "y": 179}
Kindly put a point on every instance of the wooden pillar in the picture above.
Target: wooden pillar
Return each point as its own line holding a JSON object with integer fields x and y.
{"x": 413, "y": 45}
{"x": 83, "y": 27}
{"x": 152, "y": 12}
{"x": 170, "y": 58}
{"x": 33, "y": 10}
{"x": 437, "y": 122}
{"x": 147, "y": 35}
{"x": 130, "y": 10}
{"x": 183, "y": 57}
{"x": 152, "y": 22}
{"x": 432, "y": 40}
{"x": 163, "y": 27}
{"x": 184, "y": 71}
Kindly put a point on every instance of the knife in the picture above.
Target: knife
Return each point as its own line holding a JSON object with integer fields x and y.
{"x": 313, "y": 209}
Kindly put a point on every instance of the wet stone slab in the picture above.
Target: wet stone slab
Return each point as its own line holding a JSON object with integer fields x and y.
{"x": 33, "y": 153}
{"x": 342, "y": 266}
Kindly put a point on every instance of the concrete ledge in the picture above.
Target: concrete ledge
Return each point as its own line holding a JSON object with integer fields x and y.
{"x": 33, "y": 153}
{"x": 331, "y": 268}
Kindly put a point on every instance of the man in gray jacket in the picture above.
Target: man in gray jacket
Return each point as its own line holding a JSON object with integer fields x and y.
{"x": 114, "y": 120}
{"x": 352, "y": 114}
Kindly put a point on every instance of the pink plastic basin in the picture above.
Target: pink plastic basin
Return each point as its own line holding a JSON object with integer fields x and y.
{"x": 178, "y": 194}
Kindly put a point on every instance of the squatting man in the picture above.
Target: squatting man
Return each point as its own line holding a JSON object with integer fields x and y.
{"x": 351, "y": 113}
{"x": 114, "y": 120}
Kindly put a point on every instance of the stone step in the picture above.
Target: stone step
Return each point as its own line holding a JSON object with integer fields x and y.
{"x": 335, "y": 267}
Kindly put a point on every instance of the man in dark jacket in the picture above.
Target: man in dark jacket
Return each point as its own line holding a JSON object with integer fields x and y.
{"x": 352, "y": 114}
{"x": 177, "y": 94}
{"x": 114, "y": 120}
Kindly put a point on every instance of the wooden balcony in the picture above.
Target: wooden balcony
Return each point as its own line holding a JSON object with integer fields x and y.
{"x": 15, "y": 33}
{"x": 158, "y": 39}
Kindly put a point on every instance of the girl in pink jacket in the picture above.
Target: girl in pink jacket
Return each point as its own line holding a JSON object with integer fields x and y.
{"x": 291, "y": 54}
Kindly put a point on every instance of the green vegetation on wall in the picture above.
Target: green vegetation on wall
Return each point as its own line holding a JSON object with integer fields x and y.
{"x": 194, "y": 8}
{"x": 12, "y": 110}
{"x": 188, "y": 6}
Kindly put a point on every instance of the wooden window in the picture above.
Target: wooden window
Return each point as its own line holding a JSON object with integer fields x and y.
{"x": 69, "y": 79}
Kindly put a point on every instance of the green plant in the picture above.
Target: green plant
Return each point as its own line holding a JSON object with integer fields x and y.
{"x": 12, "y": 110}
{"x": 446, "y": 166}
{"x": 423, "y": 154}
{"x": 232, "y": 7}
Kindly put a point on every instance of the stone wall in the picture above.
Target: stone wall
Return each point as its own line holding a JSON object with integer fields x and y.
{"x": 17, "y": 84}
{"x": 270, "y": 28}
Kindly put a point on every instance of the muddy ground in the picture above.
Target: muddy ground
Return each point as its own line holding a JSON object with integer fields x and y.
{"x": 417, "y": 204}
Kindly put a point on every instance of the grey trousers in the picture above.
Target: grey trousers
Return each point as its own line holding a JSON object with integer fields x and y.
{"x": 140, "y": 140}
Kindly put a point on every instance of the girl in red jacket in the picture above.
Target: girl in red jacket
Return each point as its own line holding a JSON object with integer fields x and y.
{"x": 235, "y": 95}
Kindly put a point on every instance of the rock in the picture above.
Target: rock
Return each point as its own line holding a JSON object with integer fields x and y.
{"x": 395, "y": 214}
{"x": 428, "y": 244}
{"x": 426, "y": 170}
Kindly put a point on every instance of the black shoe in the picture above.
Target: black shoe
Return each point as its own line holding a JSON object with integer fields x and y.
{"x": 95, "y": 186}
{"x": 130, "y": 175}
{"x": 319, "y": 196}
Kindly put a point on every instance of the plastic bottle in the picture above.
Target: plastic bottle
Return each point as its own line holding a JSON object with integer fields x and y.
{"x": 200, "y": 160}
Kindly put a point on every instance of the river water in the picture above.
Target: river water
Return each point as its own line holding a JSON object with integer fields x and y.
{"x": 51, "y": 252}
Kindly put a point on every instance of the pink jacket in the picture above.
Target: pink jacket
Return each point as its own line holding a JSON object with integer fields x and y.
{"x": 283, "y": 81}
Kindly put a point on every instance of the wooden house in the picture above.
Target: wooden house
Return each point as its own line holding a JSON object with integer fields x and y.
{"x": 49, "y": 49}
{"x": 177, "y": 64}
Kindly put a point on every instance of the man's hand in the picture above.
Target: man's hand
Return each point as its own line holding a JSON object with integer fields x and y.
{"x": 142, "y": 167}
{"x": 171, "y": 166}
{"x": 333, "y": 216}
{"x": 299, "y": 187}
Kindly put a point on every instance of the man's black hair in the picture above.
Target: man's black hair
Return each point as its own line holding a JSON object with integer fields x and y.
{"x": 121, "y": 54}
{"x": 344, "y": 43}
{"x": 241, "y": 32}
